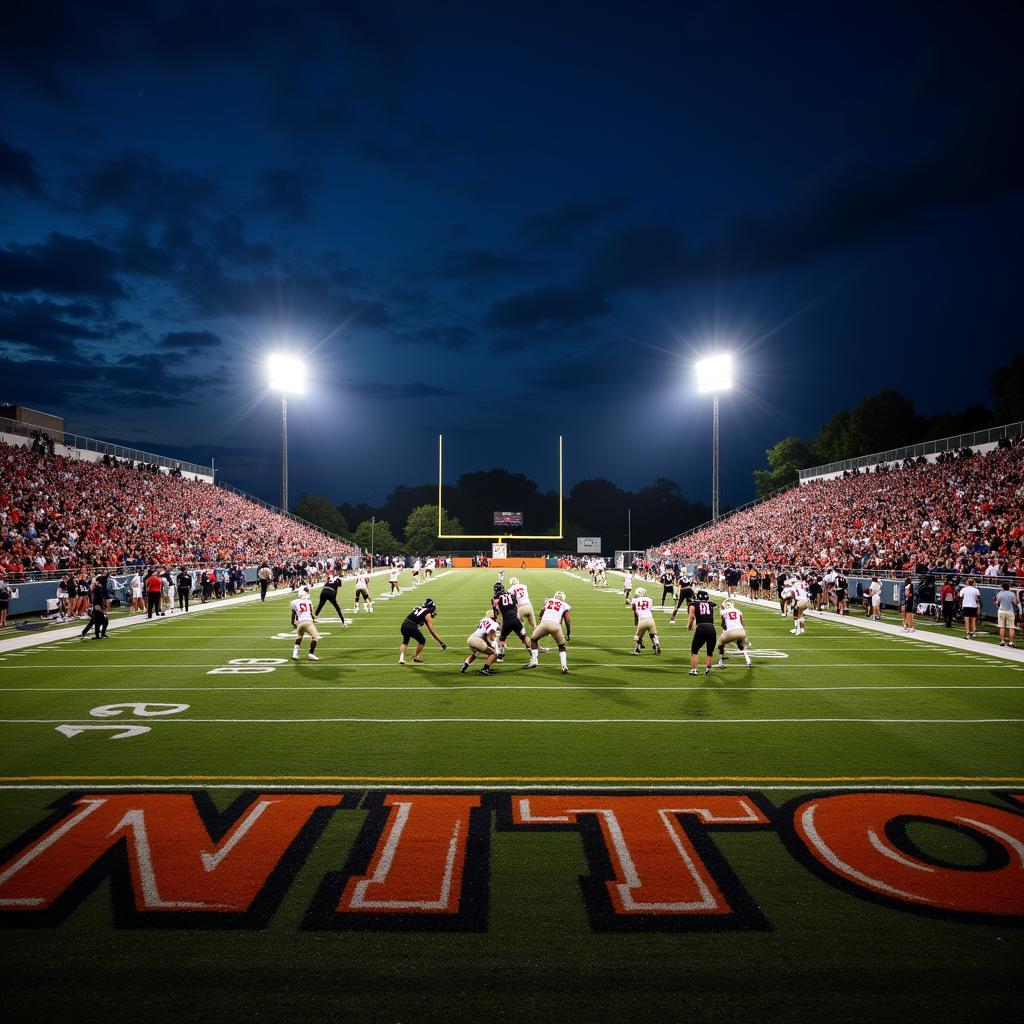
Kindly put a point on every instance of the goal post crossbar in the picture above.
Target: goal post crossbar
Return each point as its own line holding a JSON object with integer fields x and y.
{"x": 494, "y": 536}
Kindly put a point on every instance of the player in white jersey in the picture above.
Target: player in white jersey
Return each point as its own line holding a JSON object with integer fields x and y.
{"x": 627, "y": 584}
{"x": 429, "y": 568}
{"x": 522, "y": 596}
{"x": 393, "y": 577}
{"x": 482, "y": 641}
{"x": 786, "y": 596}
{"x": 801, "y": 602}
{"x": 733, "y": 631}
{"x": 363, "y": 591}
{"x": 416, "y": 566}
{"x": 556, "y": 611}
{"x": 874, "y": 594}
{"x": 304, "y": 623}
{"x": 601, "y": 580}
{"x": 643, "y": 618}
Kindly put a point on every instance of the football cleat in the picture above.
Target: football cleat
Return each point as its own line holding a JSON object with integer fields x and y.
{"x": 314, "y": 657}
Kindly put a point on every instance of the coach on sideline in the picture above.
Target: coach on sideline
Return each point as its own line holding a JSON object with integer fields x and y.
{"x": 154, "y": 589}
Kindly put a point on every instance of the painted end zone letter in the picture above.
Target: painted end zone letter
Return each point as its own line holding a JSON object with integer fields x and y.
{"x": 420, "y": 862}
{"x": 159, "y": 851}
{"x": 859, "y": 842}
{"x": 653, "y": 865}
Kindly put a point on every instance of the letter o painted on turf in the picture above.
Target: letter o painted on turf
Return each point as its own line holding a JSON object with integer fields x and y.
{"x": 850, "y": 838}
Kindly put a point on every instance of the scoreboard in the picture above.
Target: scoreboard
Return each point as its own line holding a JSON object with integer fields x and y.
{"x": 508, "y": 519}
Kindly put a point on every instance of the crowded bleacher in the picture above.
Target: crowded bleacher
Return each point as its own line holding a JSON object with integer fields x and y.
{"x": 60, "y": 513}
{"x": 961, "y": 514}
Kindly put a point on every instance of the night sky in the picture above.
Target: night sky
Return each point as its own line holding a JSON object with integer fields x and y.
{"x": 503, "y": 222}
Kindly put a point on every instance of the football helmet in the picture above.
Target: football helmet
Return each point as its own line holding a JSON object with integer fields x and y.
{"x": 499, "y": 589}
{"x": 514, "y": 582}
{"x": 559, "y": 595}
{"x": 640, "y": 592}
{"x": 702, "y": 595}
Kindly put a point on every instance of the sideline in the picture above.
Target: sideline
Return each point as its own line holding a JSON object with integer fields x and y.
{"x": 52, "y": 635}
{"x": 926, "y": 637}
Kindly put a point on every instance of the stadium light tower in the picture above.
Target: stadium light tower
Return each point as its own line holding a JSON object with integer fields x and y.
{"x": 714, "y": 375}
{"x": 287, "y": 374}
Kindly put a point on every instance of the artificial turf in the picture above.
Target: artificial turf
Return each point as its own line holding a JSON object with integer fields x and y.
{"x": 837, "y": 707}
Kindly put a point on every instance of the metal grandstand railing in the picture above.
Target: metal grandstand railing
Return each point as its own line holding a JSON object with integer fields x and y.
{"x": 913, "y": 451}
{"x": 90, "y": 444}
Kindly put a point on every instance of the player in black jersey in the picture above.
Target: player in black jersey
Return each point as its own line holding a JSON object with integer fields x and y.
{"x": 702, "y": 616}
{"x": 842, "y": 595}
{"x": 685, "y": 597}
{"x": 506, "y": 605}
{"x": 668, "y": 580}
{"x": 329, "y": 595}
{"x": 421, "y": 615}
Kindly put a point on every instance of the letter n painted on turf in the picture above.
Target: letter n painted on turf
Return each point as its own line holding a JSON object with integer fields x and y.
{"x": 665, "y": 872}
{"x": 418, "y": 862}
{"x": 861, "y": 843}
{"x": 159, "y": 850}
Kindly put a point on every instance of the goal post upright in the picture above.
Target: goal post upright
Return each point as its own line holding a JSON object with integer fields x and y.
{"x": 490, "y": 536}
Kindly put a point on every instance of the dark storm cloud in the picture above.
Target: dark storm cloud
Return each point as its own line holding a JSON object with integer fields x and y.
{"x": 565, "y": 223}
{"x": 18, "y": 170}
{"x": 980, "y": 160}
{"x": 62, "y": 265}
{"x": 552, "y": 304}
{"x": 143, "y": 188}
{"x": 452, "y": 337}
{"x": 477, "y": 264}
{"x": 285, "y": 194}
{"x": 190, "y": 341}
{"x": 46, "y": 327}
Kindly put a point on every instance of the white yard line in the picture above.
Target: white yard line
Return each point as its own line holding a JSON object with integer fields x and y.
{"x": 519, "y": 721}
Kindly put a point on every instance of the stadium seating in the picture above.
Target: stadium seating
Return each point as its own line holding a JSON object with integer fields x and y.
{"x": 962, "y": 514}
{"x": 58, "y": 513}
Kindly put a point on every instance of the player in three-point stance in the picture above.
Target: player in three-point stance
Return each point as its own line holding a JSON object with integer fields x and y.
{"x": 304, "y": 623}
{"x": 733, "y": 631}
{"x": 482, "y": 641}
{"x": 643, "y": 617}
{"x": 504, "y": 604}
{"x": 362, "y": 591}
{"x": 522, "y": 596}
{"x": 421, "y": 615}
{"x": 556, "y": 611}
{"x": 329, "y": 595}
{"x": 702, "y": 616}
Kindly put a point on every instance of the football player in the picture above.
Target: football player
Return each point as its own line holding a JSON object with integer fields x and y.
{"x": 504, "y": 604}
{"x": 421, "y": 615}
{"x": 429, "y": 568}
{"x": 304, "y": 623}
{"x": 329, "y": 595}
{"x": 416, "y": 566}
{"x": 643, "y": 619}
{"x": 363, "y": 591}
{"x": 702, "y": 616}
{"x": 481, "y": 641}
{"x": 801, "y": 603}
{"x": 556, "y": 611}
{"x": 733, "y": 631}
{"x": 393, "y": 580}
{"x": 685, "y": 596}
{"x": 627, "y": 584}
{"x": 522, "y": 596}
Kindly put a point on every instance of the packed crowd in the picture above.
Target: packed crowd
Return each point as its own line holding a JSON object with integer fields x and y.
{"x": 59, "y": 513}
{"x": 963, "y": 514}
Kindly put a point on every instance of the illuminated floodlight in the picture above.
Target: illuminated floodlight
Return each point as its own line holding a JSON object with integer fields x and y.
{"x": 286, "y": 373}
{"x": 714, "y": 374}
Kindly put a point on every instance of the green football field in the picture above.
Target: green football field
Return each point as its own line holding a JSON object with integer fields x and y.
{"x": 835, "y": 832}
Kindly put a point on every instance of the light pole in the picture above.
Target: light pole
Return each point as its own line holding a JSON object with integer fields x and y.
{"x": 714, "y": 375}
{"x": 373, "y": 523}
{"x": 287, "y": 374}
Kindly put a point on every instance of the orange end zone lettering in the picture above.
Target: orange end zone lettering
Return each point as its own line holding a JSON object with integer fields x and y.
{"x": 653, "y": 864}
{"x": 859, "y": 842}
{"x": 172, "y": 857}
{"x": 420, "y": 862}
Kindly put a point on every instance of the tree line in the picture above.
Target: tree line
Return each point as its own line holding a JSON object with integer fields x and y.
{"x": 407, "y": 520}
{"x": 889, "y": 420}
